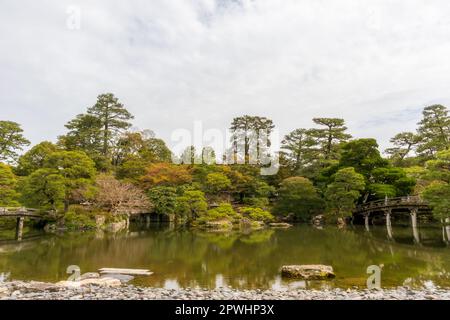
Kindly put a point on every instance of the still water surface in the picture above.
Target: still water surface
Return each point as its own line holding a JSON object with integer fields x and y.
{"x": 190, "y": 258}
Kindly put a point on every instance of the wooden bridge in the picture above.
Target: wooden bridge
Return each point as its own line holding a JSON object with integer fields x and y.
{"x": 388, "y": 207}
{"x": 20, "y": 214}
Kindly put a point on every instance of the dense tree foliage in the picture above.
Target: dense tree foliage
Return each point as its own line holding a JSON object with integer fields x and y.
{"x": 165, "y": 174}
{"x": 164, "y": 199}
{"x": 11, "y": 141}
{"x": 100, "y": 165}
{"x": 191, "y": 205}
{"x": 405, "y": 143}
{"x": 298, "y": 196}
{"x": 8, "y": 183}
{"x": 434, "y": 130}
{"x": 300, "y": 148}
{"x": 344, "y": 191}
{"x": 330, "y": 136}
{"x": 35, "y": 158}
{"x": 438, "y": 192}
{"x": 251, "y": 135}
{"x": 44, "y": 188}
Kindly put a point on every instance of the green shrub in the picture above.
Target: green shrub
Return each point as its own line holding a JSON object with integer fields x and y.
{"x": 257, "y": 214}
{"x": 223, "y": 211}
{"x": 163, "y": 199}
{"x": 262, "y": 203}
{"x": 74, "y": 220}
{"x": 217, "y": 182}
{"x": 191, "y": 204}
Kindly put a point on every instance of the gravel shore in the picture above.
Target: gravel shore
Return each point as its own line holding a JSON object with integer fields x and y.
{"x": 19, "y": 290}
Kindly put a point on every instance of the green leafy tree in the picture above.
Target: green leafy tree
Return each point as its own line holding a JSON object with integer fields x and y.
{"x": 141, "y": 145}
{"x": 300, "y": 148}
{"x": 98, "y": 131}
{"x": 223, "y": 212}
{"x": 258, "y": 214}
{"x": 434, "y": 130}
{"x": 257, "y": 194}
{"x": 113, "y": 118}
{"x": 363, "y": 155}
{"x": 344, "y": 191}
{"x": 11, "y": 141}
{"x": 132, "y": 169}
{"x": 381, "y": 179}
{"x": 217, "y": 182}
{"x": 34, "y": 159}
{"x": 165, "y": 174}
{"x": 84, "y": 134}
{"x": 437, "y": 194}
{"x": 191, "y": 204}
{"x": 44, "y": 189}
{"x": 298, "y": 195}
{"x": 404, "y": 143}
{"x": 77, "y": 170}
{"x": 164, "y": 199}
{"x": 381, "y": 191}
{"x": 401, "y": 184}
{"x": 8, "y": 185}
{"x": 331, "y": 135}
{"x": 251, "y": 132}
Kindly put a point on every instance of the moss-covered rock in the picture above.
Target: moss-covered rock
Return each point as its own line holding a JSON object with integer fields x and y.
{"x": 308, "y": 272}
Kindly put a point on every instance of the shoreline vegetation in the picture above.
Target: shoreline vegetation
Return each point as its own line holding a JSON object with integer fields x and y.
{"x": 20, "y": 290}
{"x": 99, "y": 174}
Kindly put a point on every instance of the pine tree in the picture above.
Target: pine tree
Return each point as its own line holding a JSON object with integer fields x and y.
{"x": 113, "y": 119}
{"x": 11, "y": 140}
{"x": 332, "y": 134}
{"x": 434, "y": 130}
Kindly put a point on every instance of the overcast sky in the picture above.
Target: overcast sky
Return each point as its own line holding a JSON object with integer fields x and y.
{"x": 374, "y": 63}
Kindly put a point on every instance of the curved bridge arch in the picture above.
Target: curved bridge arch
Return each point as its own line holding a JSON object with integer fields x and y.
{"x": 20, "y": 214}
{"x": 412, "y": 204}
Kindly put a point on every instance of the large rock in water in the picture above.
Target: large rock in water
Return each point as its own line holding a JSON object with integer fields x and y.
{"x": 102, "y": 282}
{"x": 308, "y": 272}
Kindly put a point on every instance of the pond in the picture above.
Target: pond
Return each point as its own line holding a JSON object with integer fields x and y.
{"x": 181, "y": 257}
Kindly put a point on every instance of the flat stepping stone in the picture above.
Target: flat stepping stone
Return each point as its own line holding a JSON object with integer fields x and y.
{"x": 132, "y": 272}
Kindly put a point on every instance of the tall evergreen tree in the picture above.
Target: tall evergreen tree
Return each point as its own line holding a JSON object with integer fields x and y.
{"x": 84, "y": 134}
{"x": 405, "y": 143}
{"x": 11, "y": 141}
{"x": 113, "y": 118}
{"x": 251, "y": 132}
{"x": 434, "y": 130}
{"x": 299, "y": 148}
{"x": 331, "y": 135}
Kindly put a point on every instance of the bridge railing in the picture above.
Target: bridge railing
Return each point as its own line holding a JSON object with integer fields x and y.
{"x": 413, "y": 200}
{"x": 7, "y": 211}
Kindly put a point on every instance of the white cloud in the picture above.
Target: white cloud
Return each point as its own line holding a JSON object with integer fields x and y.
{"x": 172, "y": 62}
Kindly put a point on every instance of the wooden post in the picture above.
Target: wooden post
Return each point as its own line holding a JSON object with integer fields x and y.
{"x": 366, "y": 221}
{"x": 147, "y": 220}
{"x": 447, "y": 229}
{"x": 387, "y": 212}
{"x": 19, "y": 228}
{"x": 413, "y": 214}
{"x": 389, "y": 223}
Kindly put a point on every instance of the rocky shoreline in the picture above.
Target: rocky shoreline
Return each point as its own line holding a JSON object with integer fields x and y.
{"x": 20, "y": 290}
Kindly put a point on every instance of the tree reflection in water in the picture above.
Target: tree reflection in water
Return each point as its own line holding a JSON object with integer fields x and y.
{"x": 183, "y": 257}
